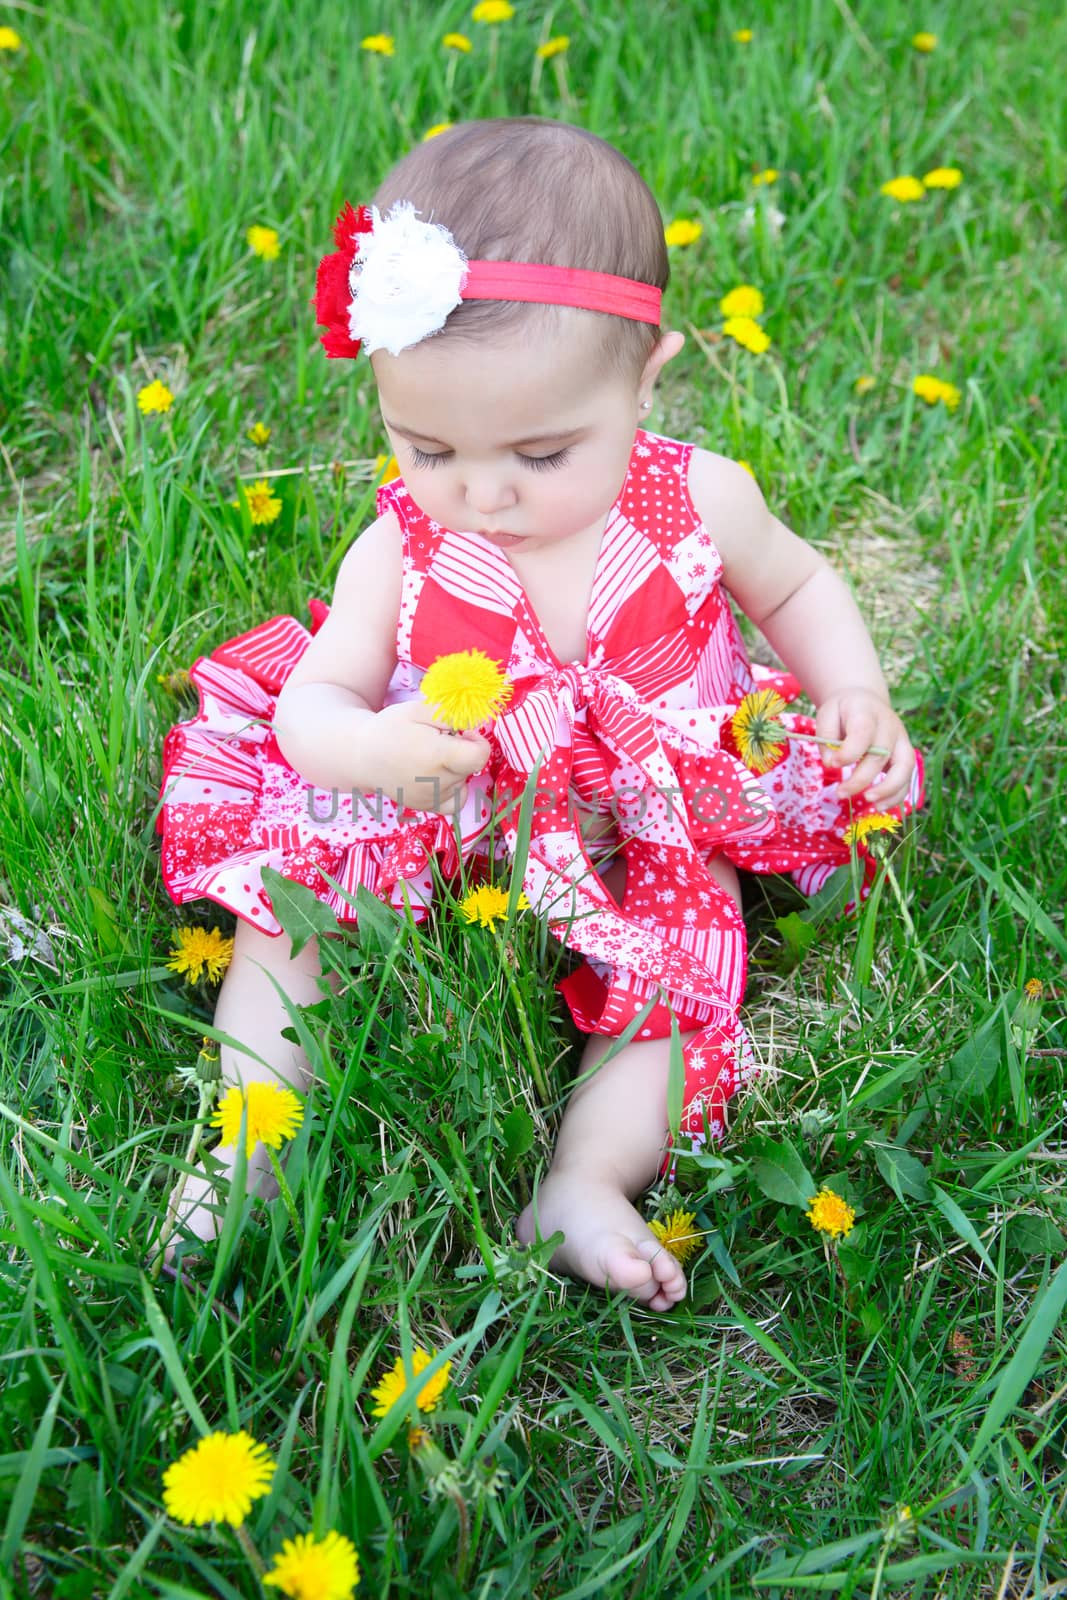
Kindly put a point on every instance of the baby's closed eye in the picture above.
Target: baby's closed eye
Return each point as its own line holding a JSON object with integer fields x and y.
{"x": 429, "y": 459}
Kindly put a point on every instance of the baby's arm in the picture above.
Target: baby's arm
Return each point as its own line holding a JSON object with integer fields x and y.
{"x": 810, "y": 618}
{"x": 329, "y": 720}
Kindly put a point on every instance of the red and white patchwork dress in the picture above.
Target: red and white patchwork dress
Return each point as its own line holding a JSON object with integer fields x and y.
{"x": 639, "y": 731}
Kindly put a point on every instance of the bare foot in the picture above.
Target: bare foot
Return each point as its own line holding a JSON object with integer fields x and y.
{"x": 606, "y": 1241}
{"x": 202, "y": 1206}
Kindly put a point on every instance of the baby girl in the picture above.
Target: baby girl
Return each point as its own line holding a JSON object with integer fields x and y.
{"x": 506, "y": 289}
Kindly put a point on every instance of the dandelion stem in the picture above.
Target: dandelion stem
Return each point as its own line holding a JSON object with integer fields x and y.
{"x": 883, "y": 1556}
{"x": 207, "y": 1096}
{"x": 906, "y": 918}
{"x": 255, "y": 1560}
{"x": 524, "y": 1024}
{"x": 834, "y": 744}
{"x": 286, "y": 1194}
{"x": 462, "y": 1548}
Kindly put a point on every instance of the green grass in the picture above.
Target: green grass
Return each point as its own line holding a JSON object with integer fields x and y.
{"x": 759, "y": 1439}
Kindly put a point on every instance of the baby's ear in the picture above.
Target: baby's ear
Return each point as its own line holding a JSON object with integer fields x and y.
{"x": 665, "y": 349}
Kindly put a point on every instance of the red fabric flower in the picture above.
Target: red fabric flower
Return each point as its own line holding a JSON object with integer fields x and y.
{"x": 332, "y": 293}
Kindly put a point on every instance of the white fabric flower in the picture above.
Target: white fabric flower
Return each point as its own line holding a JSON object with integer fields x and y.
{"x": 405, "y": 280}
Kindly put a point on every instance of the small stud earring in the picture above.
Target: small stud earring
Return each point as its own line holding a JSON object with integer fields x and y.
{"x": 646, "y": 405}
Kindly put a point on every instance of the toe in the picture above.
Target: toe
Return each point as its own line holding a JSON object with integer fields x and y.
{"x": 624, "y": 1268}
{"x": 666, "y": 1271}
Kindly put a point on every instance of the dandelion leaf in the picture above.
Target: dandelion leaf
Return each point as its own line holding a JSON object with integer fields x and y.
{"x": 517, "y": 1131}
{"x": 799, "y": 937}
{"x": 1035, "y": 1236}
{"x": 105, "y": 920}
{"x": 974, "y": 1066}
{"x": 779, "y": 1172}
{"x": 904, "y": 1173}
{"x": 299, "y": 910}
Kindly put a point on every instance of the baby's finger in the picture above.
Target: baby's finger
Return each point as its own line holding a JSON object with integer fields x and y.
{"x": 893, "y": 785}
{"x": 861, "y": 777}
{"x": 828, "y": 727}
{"x": 446, "y": 799}
{"x": 859, "y": 737}
{"x": 466, "y": 755}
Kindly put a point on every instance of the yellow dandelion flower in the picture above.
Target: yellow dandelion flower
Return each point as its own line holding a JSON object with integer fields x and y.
{"x": 493, "y": 11}
{"x": 1033, "y": 988}
{"x": 307, "y": 1568}
{"x": 392, "y": 1384}
{"x": 828, "y": 1213}
{"x": 274, "y": 1115}
{"x": 746, "y": 332}
{"x": 761, "y": 179}
{"x": 682, "y": 232}
{"x": 863, "y": 384}
{"x": 676, "y": 1234}
{"x": 259, "y": 433}
{"x": 932, "y": 389}
{"x": 379, "y": 44}
{"x": 457, "y": 41}
{"x": 554, "y": 47}
{"x": 758, "y": 733}
{"x": 386, "y": 468}
{"x": 438, "y": 127}
{"x": 263, "y": 506}
{"x": 877, "y": 822}
{"x": 744, "y": 301}
{"x": 154, "y": 397}
{"x": 198, "y": 950}
{"x": 924, "y": 42}
{"x": 9, "y": 39}
{"x": 742, "y": 36}
{"x": 263, "y": 242}
{"x": 177, "y": 682}
{"x": 488, "y": 905}
{"x": 746, "y": 465}
{"x": 905, "y": 189}
{"x": 465, "y": 688}
{"x": 217, "y": 1480}
{"x": 943, "y": 178}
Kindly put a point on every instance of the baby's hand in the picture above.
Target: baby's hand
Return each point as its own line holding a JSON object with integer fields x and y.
{"x": 863, "y": 723}
{"x": 417, "y": 762}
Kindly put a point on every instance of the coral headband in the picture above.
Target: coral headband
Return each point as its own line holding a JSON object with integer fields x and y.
{"x": 562, "y": 286}
{"x": 393, "y": 281}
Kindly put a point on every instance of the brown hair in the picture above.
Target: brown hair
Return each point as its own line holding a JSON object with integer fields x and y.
{"x": 527, "y": 189}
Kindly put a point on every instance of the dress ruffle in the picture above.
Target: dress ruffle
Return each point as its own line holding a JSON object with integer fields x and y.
{"x": 674, "y": 789}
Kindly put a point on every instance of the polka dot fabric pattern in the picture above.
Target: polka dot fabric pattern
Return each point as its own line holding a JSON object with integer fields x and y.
{"x": 637, "y": 735}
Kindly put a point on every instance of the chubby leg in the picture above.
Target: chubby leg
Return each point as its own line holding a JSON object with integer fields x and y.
{"x": 610, "y": 1144}
{"x": 609, "y": 1149}
{"x": 250, "y": 1009}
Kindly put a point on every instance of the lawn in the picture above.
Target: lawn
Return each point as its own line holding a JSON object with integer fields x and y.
{"x": 881, "y": 1413}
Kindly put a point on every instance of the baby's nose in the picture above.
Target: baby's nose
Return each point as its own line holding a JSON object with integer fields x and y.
{"x": 490, "y": 495}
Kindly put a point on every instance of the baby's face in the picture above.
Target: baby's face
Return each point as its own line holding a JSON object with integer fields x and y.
{"x": 523, "y": 443}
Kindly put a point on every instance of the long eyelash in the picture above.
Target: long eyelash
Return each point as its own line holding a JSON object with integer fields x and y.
{"x": 424, "y": 458}
{"x": 421, "y": 458}
{"x": 546, "y": 463}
